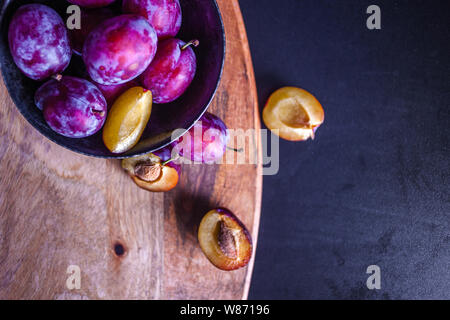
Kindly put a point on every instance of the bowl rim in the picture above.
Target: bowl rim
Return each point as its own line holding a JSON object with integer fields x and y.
{"x": 169, "y": 140}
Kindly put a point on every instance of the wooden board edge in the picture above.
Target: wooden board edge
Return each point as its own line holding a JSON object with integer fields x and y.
{"x": 257, "y": 126}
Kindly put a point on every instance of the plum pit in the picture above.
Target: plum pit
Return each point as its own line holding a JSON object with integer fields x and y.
{"x": 225, "y": 240}
{"x": 150, "y": 173}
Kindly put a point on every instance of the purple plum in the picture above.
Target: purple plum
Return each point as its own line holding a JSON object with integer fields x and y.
{"x": 163, "y": 15}
{"x": 119, "y": 49}
{"x": 171, "y": 71}
{"x": 205, "y": 142}
{"x": 91, "y": 3}
{"x": 90, "y": 19}
{"x": 72, "y": 107}
{"x": 111, "y": 93}
{"x": 39, "y": 41}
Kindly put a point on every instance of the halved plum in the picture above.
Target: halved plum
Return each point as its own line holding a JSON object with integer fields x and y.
{"x": 127, "y": 120}
{"x": 225, "y": 240}
{"x": 150, "y": 173}
{"x": 293, "y": 113}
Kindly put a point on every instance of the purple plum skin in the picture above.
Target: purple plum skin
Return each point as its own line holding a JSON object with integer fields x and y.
{"x": 39, "y": 41}
{"x": 205, "y": 142}
{"x": 90, "y": 19}
{"x": 72, "y": 107}
{"x": 171, "y": 71}
{"x": 91, "y": 3}
{"x": 111, "y": 93}
{"x": 119, "y": 49}
{"x": 164, "y": 15}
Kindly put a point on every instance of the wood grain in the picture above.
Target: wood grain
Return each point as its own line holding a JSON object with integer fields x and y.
{"x": 58, "y": 208}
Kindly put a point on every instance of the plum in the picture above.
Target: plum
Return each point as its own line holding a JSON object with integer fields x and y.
{"x": 225, "y": 240}
{"x": 72, "y": 107}
{"x": 127, "y": 120}
{"x": 111, "y": 93}
{"x": 89, "y": 20}
{"x": 163, "y": 15}
{"x": 293, "y": 113}
{"x": 171, "y": 71}
{"x": 39, "y": 41}
{"x": 150, "y": 173}
{"x": 205, "y": 142}
{"x": 119, "y": 49}
{"x": 91, "y": 3}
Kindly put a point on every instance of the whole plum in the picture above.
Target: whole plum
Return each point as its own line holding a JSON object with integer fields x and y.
{"x": 72, "y": 107}
{"x": 205, "y": 142}
{"x": 172, "y": 70}
{"x": 91, "y": 3}
{"x": 89, "y": 20}
{"x": 119, "y": 49}
{"x": 39, "y": 41}
{"x": 111, "y": 93}
{"x": 163, "y": 15}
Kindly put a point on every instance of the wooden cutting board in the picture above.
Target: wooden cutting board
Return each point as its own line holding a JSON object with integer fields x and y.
{"x": 61, "y": 209}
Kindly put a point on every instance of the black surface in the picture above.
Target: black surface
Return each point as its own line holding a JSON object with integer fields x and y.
{"x": 374, "y": 187}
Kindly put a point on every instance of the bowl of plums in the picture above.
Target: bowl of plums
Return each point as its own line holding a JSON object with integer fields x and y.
{"x": 114, "y": 78}
{"x": 127, "y": 79}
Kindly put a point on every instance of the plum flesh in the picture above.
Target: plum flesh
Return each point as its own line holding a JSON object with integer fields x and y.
{"x": 164, "y": 15}
{"x": 171, "y": 71}
{"x": 293, "y": 113}
{"x": 119, "y": 49}
{"x": 39, "y": 41}
{"x": 225, "y": 240}
{"x": 150, "y": 173}
{"x": 72, "y": 107}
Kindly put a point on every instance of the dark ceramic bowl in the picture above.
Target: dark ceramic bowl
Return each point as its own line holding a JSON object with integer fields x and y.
{"x": 201, "y": 20}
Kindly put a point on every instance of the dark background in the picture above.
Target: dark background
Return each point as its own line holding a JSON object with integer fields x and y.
{"x": 374, "y": 186}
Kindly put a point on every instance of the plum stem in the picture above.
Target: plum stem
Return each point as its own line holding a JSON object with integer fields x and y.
{"x": 170, "y": 160}
{"x": 57, "y": 77}
{"x": 194, "y": 43}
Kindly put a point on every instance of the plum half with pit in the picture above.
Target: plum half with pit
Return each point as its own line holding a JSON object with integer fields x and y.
{"x": 225, "y": 240}
{"x": 150, "y": 173}
{"x": 163, "y": 15}
{"x": 39, "y": 41}
{"x": 293, "y": 113}
{"x": 72, "y": 107}
{"x": 171, "y": 71}
{"x": 90, "y": 19}
{"x": 91, "y": 3}
{"x": 119, "y": 49}
{"x": 205, "y": 142}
